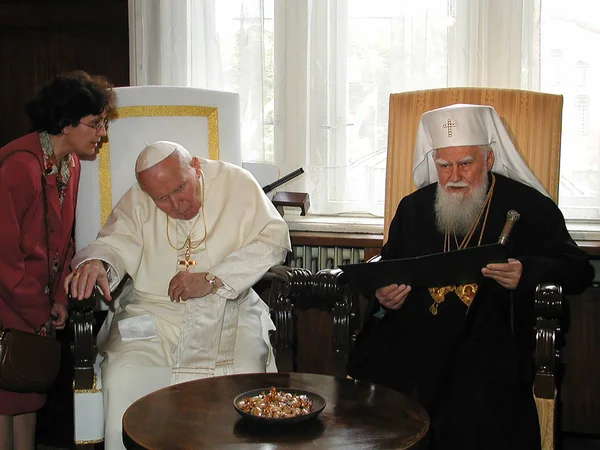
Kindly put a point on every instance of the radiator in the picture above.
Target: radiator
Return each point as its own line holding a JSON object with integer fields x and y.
{"x": 315, "y": 258}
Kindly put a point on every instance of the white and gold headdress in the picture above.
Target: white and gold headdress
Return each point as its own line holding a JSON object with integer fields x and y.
{"x": 461, "y": 125}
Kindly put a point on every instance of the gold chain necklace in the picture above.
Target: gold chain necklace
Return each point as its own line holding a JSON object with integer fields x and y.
{"x": 188, "y": 244}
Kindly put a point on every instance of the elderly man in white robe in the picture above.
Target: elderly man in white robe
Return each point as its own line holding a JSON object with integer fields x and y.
{"x": 194, "y": 235}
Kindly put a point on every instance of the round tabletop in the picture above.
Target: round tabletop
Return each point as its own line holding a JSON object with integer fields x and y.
{"x": 200, "y": 414}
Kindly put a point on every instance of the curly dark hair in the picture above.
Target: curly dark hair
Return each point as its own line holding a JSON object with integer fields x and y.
{"x": 67, "y": 98}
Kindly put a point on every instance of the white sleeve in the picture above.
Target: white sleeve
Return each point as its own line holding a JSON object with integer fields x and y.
{"x": 119, "y": 242}
{"x": 241, "y": 269}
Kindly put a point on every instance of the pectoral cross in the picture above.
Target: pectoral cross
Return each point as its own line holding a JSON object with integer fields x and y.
{"x": 187, "y": 262}
{"x": 449, "y": 125}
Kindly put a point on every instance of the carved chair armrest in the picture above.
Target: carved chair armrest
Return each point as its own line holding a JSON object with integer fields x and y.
{"x": 347, "y": 316}
{"x": 82, "y": 322}
{"x": 548, "y": 304}
{"x": 375, "y": 258}
{"x": 335, "y": 292}
{"x": 287, "y": 284}
{"x": 296, "y": 288}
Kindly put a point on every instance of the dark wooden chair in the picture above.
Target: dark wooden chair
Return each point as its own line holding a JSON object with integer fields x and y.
{"x": 549, "y": 338}
{"x": 314, "y": 314}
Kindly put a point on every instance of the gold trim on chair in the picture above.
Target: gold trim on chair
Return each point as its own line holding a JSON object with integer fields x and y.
{"x": 93, "y": 390}
{"x": 93, "y": 441}
{"x": 211, "y": 114}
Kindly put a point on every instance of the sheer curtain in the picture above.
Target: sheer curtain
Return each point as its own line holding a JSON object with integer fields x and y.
{"x": 210, "y": 44}
{"x": 314, "y": 76}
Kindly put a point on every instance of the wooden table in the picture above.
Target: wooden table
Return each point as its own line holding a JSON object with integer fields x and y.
{"x": 200, "y": 414}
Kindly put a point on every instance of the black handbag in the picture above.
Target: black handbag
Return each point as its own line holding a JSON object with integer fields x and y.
{"x": 29, "y": 362}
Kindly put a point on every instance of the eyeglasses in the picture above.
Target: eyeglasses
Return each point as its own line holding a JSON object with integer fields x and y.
{"x": 97, "y": 125}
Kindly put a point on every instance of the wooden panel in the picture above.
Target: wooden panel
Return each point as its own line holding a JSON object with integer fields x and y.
{"x": 591, "y": 247}
{"x": 314, "y": 337}
{"x": 580, "y": 389}
{"x": 40, "y": 39}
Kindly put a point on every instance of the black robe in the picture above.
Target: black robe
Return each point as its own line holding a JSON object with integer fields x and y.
{"x": 472, "y": 372}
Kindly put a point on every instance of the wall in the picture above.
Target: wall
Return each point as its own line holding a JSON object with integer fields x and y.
{"x": 580, "y": 390}
{"x": 39, "y": 39}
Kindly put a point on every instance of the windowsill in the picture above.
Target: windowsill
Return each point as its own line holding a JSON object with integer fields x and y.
{"x": 584, "y": 231}
{"x": 334, "y": 224}
{"x": 374, "y": 225}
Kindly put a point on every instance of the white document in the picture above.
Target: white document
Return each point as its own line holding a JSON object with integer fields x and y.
{"x": 139, "y": 327}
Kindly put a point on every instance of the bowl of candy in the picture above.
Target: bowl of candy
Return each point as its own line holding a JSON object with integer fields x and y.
{"x": 278, "y": 405}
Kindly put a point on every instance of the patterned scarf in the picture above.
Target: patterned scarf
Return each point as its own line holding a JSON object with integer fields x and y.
{"x": 62, "y": 169}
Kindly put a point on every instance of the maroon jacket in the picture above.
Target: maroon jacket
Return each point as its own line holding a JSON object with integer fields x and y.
{"x": 23, "y": 252}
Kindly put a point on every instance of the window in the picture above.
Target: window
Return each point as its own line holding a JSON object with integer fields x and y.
{"x": 318, "y": 73}
{"x": 566, "y": 25}
{"x": 246, "y": 43}
{"x": 582, "y": 113}
{"x": 554, "y": 67}
{"x": 582, "y": 72}
{"x": 314, "y": 77}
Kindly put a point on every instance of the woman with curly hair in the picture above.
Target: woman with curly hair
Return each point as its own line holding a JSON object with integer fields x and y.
{"x": 68, "y": 118}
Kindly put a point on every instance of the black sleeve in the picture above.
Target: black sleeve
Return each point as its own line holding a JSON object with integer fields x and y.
{"x": 558, "y": 259}
{"x": 388, "y": 250}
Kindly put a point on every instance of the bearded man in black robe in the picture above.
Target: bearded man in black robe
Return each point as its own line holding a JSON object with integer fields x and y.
{"x": 468, "y": 359}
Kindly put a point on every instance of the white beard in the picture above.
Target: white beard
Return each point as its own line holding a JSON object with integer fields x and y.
{"x": 456, "y": 213}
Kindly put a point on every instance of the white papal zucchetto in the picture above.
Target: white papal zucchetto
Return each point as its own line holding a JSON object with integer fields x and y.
{"x": 466, "y": 125}
{"x": 156, "y": 152}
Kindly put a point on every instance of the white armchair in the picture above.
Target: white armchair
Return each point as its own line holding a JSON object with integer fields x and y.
{"x": 207, "y": 123}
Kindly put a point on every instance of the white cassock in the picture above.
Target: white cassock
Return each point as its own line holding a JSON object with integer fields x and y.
{"x": 218, "y": 334}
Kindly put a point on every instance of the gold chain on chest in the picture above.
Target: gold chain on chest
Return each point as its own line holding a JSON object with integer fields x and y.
{"x": 188, "y": 244}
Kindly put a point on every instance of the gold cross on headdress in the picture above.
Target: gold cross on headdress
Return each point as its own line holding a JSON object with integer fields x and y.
{"x": 449, "y": 124}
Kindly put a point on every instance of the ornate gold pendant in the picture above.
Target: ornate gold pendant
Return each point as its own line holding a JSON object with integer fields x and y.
{"x": 438, "y": 295}
{"x": 465, "y": 292}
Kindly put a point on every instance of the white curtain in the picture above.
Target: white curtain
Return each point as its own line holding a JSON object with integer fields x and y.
{"x": 193, "y": 43}
{"x": 314, "y": 76}
{"x": 159, "y": 42}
